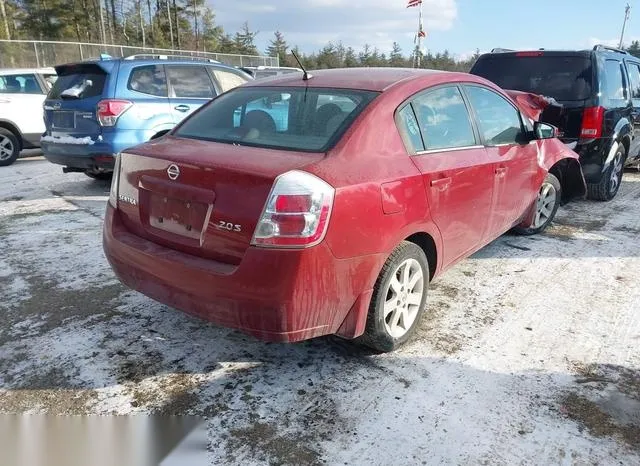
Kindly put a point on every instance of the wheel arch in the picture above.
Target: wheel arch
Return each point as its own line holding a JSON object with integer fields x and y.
{"x": 569, "y": 173}
{"x": 9, "y": 125}
{"x": 426, "y": 242}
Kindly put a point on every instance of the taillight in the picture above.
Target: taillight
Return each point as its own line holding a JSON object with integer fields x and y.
{"x": 592, "y": 121}
{"x": 115, "y": 183}
{"x": 297, "y": 212}
{"x": 108, "y": 111}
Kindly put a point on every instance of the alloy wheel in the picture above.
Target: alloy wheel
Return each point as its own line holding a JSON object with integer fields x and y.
{"x": 616, "y": 173}
{"x": 6, "y": 148}
{"x": 546, "y": 204}
{"x": 403, "y": 298}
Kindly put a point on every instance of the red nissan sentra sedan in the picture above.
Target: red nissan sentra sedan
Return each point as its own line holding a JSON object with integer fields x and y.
{"x": 292, "y": 208}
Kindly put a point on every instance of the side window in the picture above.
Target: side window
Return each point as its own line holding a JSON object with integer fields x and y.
{"x": 443, "y": 119}
{"x": 149, "y": 79}
{"x": 408, "y": 126}
{"x": 190, "y": 81}
{"x": 20, "y": 84}
{"x": 50, "y": 80}
{"x": 228, "y": 80}
{"x": 499, "y": 121}
{"x": 634, "y": 80}
{"x": 614, "y": 81}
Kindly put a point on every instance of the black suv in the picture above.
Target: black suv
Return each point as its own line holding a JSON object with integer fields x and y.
{"x": 599, "y": 92}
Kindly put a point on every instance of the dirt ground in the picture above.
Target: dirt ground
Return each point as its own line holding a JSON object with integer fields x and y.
{"x": 529, "y": 353}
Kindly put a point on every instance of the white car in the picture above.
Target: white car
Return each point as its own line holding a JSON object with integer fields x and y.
{"x": 22, "y": 94}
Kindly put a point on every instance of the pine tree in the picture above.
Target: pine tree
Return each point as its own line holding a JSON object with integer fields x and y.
{"x": 245, "y": 41}
{"x": 278, "y": 48}
{"x": 634, "y": 48}
{"x": 395, "y": 57}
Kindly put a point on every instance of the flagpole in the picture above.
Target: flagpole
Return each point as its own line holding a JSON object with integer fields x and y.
{"x": 419, "y": 51}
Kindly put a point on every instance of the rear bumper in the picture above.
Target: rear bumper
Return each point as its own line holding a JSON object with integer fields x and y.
{"x": 593, "y": 158}
{"x": 98, "y": 154}
{"x": 274, "y": 295}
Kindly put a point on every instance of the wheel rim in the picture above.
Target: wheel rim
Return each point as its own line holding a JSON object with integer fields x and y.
{"x": 545, "y": 205}
{"x": 616, "y": 173}
{"x": 6, "y": 148}
{"x": 403, "y": 298}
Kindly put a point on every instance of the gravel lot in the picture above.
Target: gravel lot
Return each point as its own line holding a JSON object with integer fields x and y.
{"x": 529, "y": 353}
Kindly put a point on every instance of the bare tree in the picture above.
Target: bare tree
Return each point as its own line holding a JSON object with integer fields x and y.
{"x": 3, "y": 12}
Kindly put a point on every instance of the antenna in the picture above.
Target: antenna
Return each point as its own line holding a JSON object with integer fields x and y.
{"x": 627, "y": 11}
{"x": 306, "y": 76}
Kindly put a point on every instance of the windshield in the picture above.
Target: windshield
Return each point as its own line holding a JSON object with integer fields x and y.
{"x": 296, "y": 118}
{"x": 560, "y": 77}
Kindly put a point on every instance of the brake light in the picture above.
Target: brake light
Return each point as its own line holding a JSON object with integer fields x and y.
{"x": 115, "y": 183}
{"x": 296, "y": 214}
{"x": 529, "y": 54}
{"x": 592, "y": 121}
{"x": 108, "y": 111}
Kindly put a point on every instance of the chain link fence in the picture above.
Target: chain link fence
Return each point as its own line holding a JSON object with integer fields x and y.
{"x": 37, "y": 54}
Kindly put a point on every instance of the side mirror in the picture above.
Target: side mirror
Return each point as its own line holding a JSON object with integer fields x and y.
{"x": 544, "y": 131}
{"x": 159, "y": 134}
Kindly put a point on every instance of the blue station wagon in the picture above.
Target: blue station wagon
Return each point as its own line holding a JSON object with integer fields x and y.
{"x": 98, "y": 108}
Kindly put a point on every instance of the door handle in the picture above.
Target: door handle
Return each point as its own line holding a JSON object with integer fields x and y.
{"x": 182, "y": 108}
{"x": 441, "y": 183}
{"x": 501, "y": 171}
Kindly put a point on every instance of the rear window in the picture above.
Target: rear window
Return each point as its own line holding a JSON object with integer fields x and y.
{"x": 78, "y": 82}
{"x": 560, "y": 77}
{"x": 301, "y": 119}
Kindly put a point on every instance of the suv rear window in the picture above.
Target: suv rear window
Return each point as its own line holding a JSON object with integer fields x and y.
{"x": 557, "y": 76}
{"x": 78, "y": 82}
{"x": 302, "y": 119}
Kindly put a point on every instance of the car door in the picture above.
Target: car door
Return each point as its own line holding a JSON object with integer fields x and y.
{"x": 633, "y": 70}
{"x": 190, "y": 87}
{"x": 457, "y": 174}
{"x": 21, "y": 100}
{"x": 514, "y": 157}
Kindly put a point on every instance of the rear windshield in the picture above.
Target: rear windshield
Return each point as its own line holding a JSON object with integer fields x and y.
{"x": 560, "y": 77}
{"x": 297, "y": 118}
{"x": 78, "y": 82}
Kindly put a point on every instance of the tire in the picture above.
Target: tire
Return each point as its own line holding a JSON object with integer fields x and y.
{"x": 102, "y": 176}
{"x": 388, "y": 332}
{"x": 547, "y": 204}
{"x": 611, "y": 180}
{"x": 9, "y": 147}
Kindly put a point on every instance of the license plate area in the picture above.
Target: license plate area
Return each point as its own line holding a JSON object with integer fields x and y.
{"x": 63, "y": 120}
{"x": 177, "y": 216}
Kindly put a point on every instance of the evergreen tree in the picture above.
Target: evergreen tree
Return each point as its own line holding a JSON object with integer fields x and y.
{"x": 244, "y": 41}
{"x": 278, "y": 48}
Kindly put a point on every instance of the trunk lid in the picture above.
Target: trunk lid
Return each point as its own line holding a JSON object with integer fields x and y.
{"x": 200, "y": 197}
{"x": 70, "y": 107}
{"x": 565, "y": 115}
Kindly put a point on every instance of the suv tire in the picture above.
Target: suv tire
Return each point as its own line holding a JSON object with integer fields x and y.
{"x": 102, "y": 176}
{"x": 9, "y": 147}
{"x": 611, "y": 180}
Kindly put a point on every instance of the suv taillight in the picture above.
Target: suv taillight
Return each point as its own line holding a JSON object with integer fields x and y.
{"x": 108, "y": 111}
{"x": 592, "y": 121}
{"x": 297, "y": 212}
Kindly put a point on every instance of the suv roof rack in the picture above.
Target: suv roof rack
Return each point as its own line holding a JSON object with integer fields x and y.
{"x": 611, "y": 49}
{"x": 501, "y": 50}
{"x": 155, "y": 56}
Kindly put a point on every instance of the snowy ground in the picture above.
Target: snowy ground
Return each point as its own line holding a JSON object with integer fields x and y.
{"x": 529, "y": 354}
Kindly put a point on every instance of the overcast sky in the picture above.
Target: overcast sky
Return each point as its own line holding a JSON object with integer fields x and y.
{"x": 458, "y": 25}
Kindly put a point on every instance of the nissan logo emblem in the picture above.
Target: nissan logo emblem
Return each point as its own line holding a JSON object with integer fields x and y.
{"x": 173, "y": 171}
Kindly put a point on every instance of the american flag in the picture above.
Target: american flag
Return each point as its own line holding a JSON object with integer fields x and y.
{"x": 413, "y": 3}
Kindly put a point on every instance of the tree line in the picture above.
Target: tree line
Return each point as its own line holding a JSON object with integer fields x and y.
{"x": 191, "y": 25}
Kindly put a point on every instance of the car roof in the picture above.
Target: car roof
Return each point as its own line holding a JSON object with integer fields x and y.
{"x": 369, "y": 79}
{"x": 153, "y": 61}
{"x": 6, "y": 71}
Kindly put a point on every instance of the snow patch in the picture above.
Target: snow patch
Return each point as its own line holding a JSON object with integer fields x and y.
{"x": 86, "y": 141}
